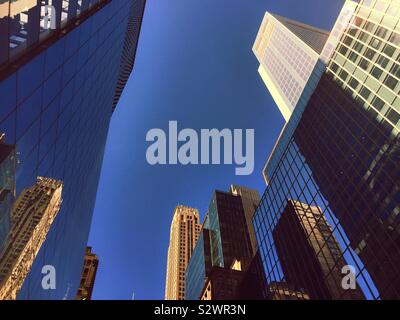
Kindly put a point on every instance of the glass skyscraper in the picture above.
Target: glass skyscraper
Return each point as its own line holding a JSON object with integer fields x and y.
{"x": 224, "y": 249}
{"x": 341, "y": 158}
{"x": 63, "y": 65}
{"x": 288, "y": 52}
{"x": 199, "y": 266}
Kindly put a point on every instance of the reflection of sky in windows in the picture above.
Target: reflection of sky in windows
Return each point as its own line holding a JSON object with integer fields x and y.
{"x": 55, "y": 110}
{"x": 293, "y": 179}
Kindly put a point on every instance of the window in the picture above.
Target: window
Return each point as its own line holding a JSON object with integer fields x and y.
{"x": 381, "y": 32}
{"x": 364, "y": 64}
{"x": 370, "y": 54}
{"x": 334, "y": 67}
{"x": 343, "y": 50}
{"x": 395, "y": 70}
{"x": 383, "y": 61}
{"x": 358, "y": 47}
{"x": 393, "y": 116}
{"x": 389, "y": 50}
{"x": 395, "y": 38}
{"x": 375, "y": 43}
{"x": 347, "y": 40}
{"x": 378, "y": 103}
{"x": 369, "y": 26}
{"x": 391, "y": 82}
{"x": 353, "y": 56}
{"x": 377, "y": 72}
{"x": 353, "y": 83}
{"x": 365, "y": 93}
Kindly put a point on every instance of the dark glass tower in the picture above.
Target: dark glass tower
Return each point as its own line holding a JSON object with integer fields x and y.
{"x": 199, "y": 267}
{"x": 340, "y": 153}
{"x": 58, "y": 89}
{"x": 230, "y": 238}
{"x": 223, "y": 265}
{"x": 361, "y": 182}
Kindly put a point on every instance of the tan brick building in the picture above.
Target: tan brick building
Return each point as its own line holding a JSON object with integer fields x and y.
{"x": 185, "y": 230}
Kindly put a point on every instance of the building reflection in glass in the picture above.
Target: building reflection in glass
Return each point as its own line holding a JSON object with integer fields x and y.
{"x": 7, "y": 189}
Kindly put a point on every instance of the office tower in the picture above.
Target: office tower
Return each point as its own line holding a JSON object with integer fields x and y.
{"x": 90, "y": 265}
{"x": 250, "y": 200}
{"x": 32, "y": 216}
{"x": 342, "y": 152}
{"x": 58, "y": 89}
{"x": 288, "y": 52}
{"x": 7, "y": 189}
{"x": 230, "y": 238}
{"x": 184, "y": 233}
{"x": 223, "y": 260}
{"x": 199, "y": 266}
{"x": 307, "y": 248}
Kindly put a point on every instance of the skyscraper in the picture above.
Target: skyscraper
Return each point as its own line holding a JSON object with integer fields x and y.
{"x": 342, "y": 150}
{"x": 230, "y": 239}
{"x": 32, "y": 216}
{"x": 89, "y": 271}
{"x": 288, "y": 52}
{"x": 185, "y": 230}
{"x": 223, "y": 264}
{"x": 59, "y": 87}
{"x": 250, "y": 200}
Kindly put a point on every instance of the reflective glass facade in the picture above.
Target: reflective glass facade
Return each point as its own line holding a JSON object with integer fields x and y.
{"x": 56, "y": 104}
{"x": 26, "y": 23}
{"x": 230, "y": 238}
{"x": 199, "y": 266}
{"x": 341, "y": 162}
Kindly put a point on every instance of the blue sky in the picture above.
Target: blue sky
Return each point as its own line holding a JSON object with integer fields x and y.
{"x": 194, "y": 65}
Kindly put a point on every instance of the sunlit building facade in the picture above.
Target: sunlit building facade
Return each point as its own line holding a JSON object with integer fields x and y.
{"x": 7, "y": 189}
{"x": 342, "y": 156}
{"x": 89, "y": 271}
{"x": 63, "y": 64}
{"x": 33, "y": 214}
{"x": 184, "y": 233}
{"x": 288, "y": 52}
